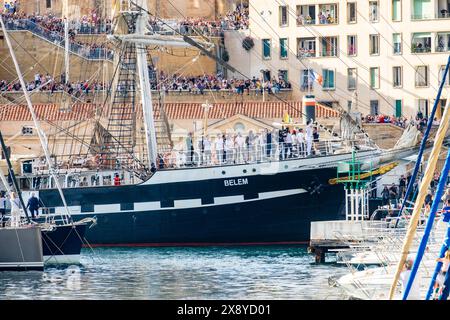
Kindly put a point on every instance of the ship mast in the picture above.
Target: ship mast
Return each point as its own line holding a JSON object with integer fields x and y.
{"x": 42, "y": 137}
{"x": 144, "y": 81}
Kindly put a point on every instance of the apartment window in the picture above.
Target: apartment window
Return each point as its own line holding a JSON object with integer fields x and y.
{"x": 328, "y": 13}
{"x": 397, "y": 43}
{"x": 351, "y": 78}
{"x": 374, "y": 78}
{"x": 351, "y": 46}
{"x": 266, "y": 48}
{"x": 396, "y": 10}
{"x": 422, "y": 106}
{"x": 373, "y": 11}
{"x": 306, "y": 47}
{"x": 443, "y": 42}
{"x": 374, "y": 107}
{"x": 441, "y": 74}
{"x": 443, "y": 7}
{"x": 374, "y": 47}
{"x": 306, "y": 15}
{"x": 397, "y": 77}
{"x": 48, "y": 4}
{"x": 284, "y": 48}
{"x": 328, "y": 79}
{"x": 283, "y": 75}
{"x": 351, "y": 12}
{"x": 329, "y": 46}
{"x": 422, "y": 9}
{"x": 398, "y": 108}
{"x": 422, "y": 76}
{"x": 421, "y": 42}
{"x": 284, "y": 16}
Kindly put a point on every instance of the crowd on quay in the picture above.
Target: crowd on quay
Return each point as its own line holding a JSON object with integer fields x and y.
{"x": 168, "y": 83}
{"x": 237, "y": 19}
{"x": 393, "y": 195}
{"x": 237, "y": 148}
{"x": 52, "y": 28}
{"x": 198, "y": 84}
{"x": 419, "y": 121}
{"x": 48, "y": 83}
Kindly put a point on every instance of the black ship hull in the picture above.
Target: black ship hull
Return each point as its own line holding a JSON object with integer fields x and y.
{"x": 271, "y": 203}
{"x": 63, "y": 243}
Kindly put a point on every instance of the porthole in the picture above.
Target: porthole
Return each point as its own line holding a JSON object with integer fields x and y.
{"x": 286, "y": 166}
{"x": 244, "y": 171}
{"x": 254, "y": 170}
{"x": 223, "y": 172}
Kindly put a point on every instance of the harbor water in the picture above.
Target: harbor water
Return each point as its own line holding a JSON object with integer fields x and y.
{"x": 180, "y": 273}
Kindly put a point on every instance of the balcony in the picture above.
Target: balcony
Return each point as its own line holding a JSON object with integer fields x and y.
{"x": 306, "y": 48}
{"x": 443, "y": 42}
{"x": 421, "y": 42}
{"x": 328, "y": 14}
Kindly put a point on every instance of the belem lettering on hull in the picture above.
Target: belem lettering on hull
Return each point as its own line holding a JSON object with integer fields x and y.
{"x": 235, "y": 182}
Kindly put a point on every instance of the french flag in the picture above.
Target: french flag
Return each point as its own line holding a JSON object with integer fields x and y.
{"x": 316, "y": 77}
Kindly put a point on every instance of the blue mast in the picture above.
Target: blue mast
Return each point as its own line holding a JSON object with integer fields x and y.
{"x": 425, "y": 138}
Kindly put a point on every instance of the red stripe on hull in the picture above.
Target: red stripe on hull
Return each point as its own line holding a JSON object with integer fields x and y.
{"x": 194, "y": 244}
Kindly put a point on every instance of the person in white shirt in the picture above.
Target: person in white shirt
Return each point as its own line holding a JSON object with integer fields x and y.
{"x": 288, "y": 142}
{"x": 2, "y": 207}
{"x": 15, "y": 210}
{"x": 309, "y": 137}
{"x": 240, "y": 148}
{"x": 301, "y": 143}
{"x": 219, "y": 149}
{"x": 229, "y": 146}
{"x": 207, "y": 150}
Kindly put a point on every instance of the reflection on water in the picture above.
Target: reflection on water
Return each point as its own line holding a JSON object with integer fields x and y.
{"x": 180, "y": 273}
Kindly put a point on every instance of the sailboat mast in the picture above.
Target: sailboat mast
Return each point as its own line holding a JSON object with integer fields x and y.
{"x": 41, "y": 134}
{"x": 13, "y": 177}
{"x": 66, "y": 39}
{"x": 144, "y": 81}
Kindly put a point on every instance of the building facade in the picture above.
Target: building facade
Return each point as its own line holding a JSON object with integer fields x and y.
{"x": 384, "y": 56}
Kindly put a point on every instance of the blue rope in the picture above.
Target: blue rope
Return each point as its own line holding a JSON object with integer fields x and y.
{"x": 425, "y": 137}
{"x": 434, "y": 207}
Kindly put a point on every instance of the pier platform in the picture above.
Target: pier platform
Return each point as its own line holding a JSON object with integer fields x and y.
{"x": 326, "y": 236}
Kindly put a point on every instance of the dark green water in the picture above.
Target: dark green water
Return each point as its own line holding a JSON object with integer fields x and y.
{"x": 180, "y": 273}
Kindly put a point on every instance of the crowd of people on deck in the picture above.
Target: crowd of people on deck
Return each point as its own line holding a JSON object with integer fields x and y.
{"x": 237, "y": 148}
{"x": 198, "y": 84}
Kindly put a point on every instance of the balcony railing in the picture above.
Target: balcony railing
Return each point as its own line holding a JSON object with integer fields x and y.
{"x": 303, "y": 53}
{"x": 443, "y": 48}
{"x": 302, "y": 21}
{"x": 442, "y": 14}
{"x": 415, "y": 49}
{"x": 327, "y": 20}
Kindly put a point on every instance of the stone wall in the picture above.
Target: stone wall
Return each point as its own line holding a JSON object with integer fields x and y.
{"x": 384, "y": 135}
